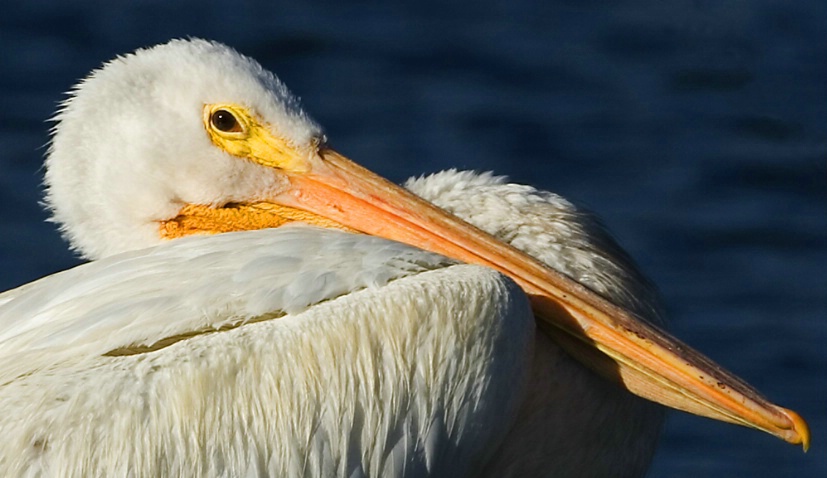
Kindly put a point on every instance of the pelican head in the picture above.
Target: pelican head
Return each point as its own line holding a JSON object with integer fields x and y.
{"x": 191, "y": 137}
{"x": 150, "y": 133}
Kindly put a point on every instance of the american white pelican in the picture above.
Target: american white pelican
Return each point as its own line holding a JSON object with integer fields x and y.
{"x": 305, "y": 351}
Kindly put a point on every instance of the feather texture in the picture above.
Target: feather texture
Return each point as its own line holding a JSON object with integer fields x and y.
{"x": 383, "y": 376}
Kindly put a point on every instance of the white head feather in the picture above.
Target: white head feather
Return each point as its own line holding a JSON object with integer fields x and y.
{"x": 129, "y": 147}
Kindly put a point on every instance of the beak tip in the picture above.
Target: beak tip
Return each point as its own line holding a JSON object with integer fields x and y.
{"x": 800, "y": 431}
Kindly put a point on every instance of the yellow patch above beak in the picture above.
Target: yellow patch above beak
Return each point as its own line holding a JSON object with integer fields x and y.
{"x": 234, "y": 129}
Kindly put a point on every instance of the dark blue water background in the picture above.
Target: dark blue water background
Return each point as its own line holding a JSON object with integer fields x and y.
{"x": 696, "y": 129}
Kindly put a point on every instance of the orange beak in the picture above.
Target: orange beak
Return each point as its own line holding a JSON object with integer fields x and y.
{"x": 329, "y": 190}
{"x": 645, "y": 359}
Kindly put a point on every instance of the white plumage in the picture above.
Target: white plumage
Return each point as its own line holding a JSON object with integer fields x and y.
{"x": 302, "y": 351}
{"x": 63, "y": 325}
{"x": 342, "y": 384}
{"x": 572, "y": 422}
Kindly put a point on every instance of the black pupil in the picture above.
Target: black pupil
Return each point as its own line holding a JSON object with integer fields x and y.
{"x": 225, "y": 121}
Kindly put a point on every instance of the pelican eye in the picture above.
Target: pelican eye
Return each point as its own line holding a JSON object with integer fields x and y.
{"x": 225, "y": 121}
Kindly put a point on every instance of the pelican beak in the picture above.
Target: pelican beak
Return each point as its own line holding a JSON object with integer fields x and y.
{"x": 327, "y": 189}
{"x": 645, "y": 359}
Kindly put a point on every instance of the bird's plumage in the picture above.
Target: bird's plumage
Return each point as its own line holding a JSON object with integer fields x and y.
{"x": 572, "y": 422}
{"x": 335, "y": 372}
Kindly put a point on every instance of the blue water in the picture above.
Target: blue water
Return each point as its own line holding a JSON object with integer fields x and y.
{"x": 696, "y": 129}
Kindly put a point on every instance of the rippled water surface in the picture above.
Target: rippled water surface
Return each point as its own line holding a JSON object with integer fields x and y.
{"x": 697, "y": 130}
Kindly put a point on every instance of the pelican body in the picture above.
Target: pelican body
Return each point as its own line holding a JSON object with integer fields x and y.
{"x": 258, "y": 305}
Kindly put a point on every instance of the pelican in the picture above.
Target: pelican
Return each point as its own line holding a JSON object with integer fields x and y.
{"x": 259, "y": 305}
